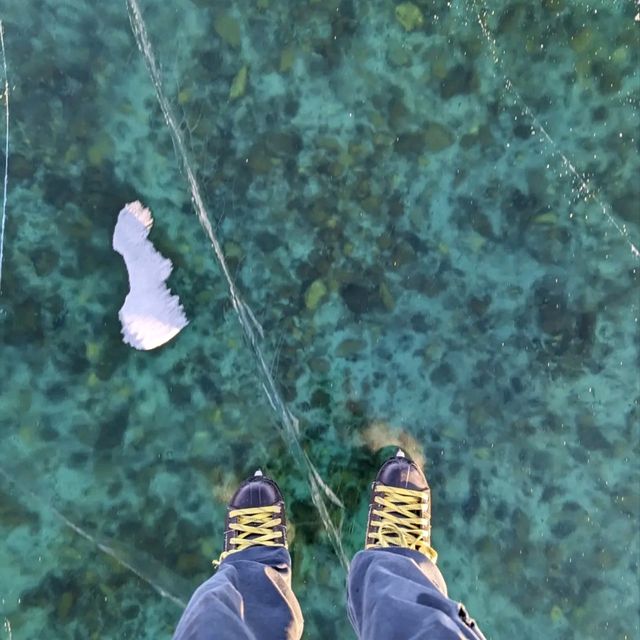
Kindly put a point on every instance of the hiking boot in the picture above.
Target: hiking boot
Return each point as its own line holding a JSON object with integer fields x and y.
{"x": 400, "y": 508}
{"x": 255, "y": 517}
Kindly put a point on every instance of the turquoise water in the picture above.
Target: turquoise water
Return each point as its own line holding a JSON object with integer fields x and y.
{"x": 435, "y": 228}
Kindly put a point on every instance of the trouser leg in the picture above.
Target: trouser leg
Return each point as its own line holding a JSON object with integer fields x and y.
{"x": 399, "y": 594}
{"x": 248, "y": 598}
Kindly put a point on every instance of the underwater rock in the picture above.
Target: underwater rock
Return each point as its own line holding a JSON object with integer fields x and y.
{"x": 429, "y": 285}
{"x": 228, "y": 29}
{"x": 316, "y": 291}
{"x": 585, "y": 331}
{"x": 384, "y": 242}
{"x": 398, "y": 115}
{"x": 112, "y": 430}
{"x": 267, "y": 241}
{"x": 150, "y": 315}
{"x": 355, "y": 408}
{"x": 520, "y": 526}
{"x": 522, "y": 130}
{"x": 65, "y": 604}
{"x": 110, "y": 359}
{"x": 512, "y": 18}
{"x": 327, "y": 58}
{"x": 608, "y": 76}
{"x": 283, "y": 143}
{"x": 180, "y": 394}
{"x": 370, "y": 204}
{"x": 233, "y": 250}
{"x": 48, "y": 589}
{"x": 57, "y": 392}
{"x": 395, "y": 205}
{"x": 239, "y": 84}
{"x": 460, "y": 80}
{"x": 590, "y": 435}
{"x": 409, "y": 16}
{"x": 13, "y": 513}
{"x": 188, "y": 563}
{"x": 546, "y": 242}
{"x": 358, "y": 298}
{"x": 56, "y": 189}
{"x": 398, "y": 55}
{"x": 548, "y": 217}
{"x": 418, "y": 323}
{"x": 329, "y": 48}
{"x": 471, "y": 213}
{"x": 259, "y": 161}
{"x": 471, "y": 505}
{"x": 437, "y": 137}
{"x": 319, "y": 365}
{"x": 583, "y": 40}
{"x": 571, "y": 516}
{"x": 287, "y": 58}
{"x": 45, "y": 261}
{"x": 556, "y": 6}
{"x": 320, "y": 399}
{"x": 25, "y": 324}
{"x": 101, "y": 149}
{"x": 211, "y": 58}
{"x": 442, "y": 375}
{"x": 551, "y": 306}
{"x": 440, "y": 60}
{"x": 403, "y": 254}
{"x": 21, "y": 167}
{"x": 291, "y": 107}
{"x": 344, "y": 20}
{"x": 131, "y": 612}
{"x": 626, "y": 205}
{"x": 409, "y": 143}
{"x": 478, "y": 305}
{"x": 563, "y": 528}
{"x": 350, "y": 347}
{"x": 386, "y": 297}
{"x": 478, "y": 135}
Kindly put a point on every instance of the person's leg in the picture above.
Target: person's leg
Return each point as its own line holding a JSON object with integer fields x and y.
{"x": 395, "y": 590}
{"x": 250, "y": 596}
{"x": 399, "y": 594}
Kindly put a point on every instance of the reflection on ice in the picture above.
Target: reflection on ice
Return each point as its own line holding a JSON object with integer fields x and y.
{"x": 150, "y": 316}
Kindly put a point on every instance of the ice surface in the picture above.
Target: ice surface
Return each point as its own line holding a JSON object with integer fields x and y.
{"x": 479, "y": 308}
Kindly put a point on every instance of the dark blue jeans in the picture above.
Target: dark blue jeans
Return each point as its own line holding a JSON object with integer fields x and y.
{"x": 394, "y": 594}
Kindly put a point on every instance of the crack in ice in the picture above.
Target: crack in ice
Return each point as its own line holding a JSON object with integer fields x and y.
{"x": 250, "y": 326}
{"x": 6, "y": 150}
{"x": 585, "y": 187}
{"x": 144, "y": 566}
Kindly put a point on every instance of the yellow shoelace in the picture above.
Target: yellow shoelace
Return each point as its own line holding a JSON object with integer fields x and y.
{"x": 254, "y": 526}
{"x": 404, "y": 520}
